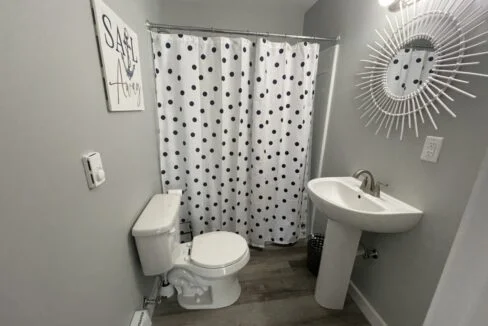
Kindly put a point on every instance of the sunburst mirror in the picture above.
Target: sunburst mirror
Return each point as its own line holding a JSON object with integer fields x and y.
{"x": 418, "y": 59}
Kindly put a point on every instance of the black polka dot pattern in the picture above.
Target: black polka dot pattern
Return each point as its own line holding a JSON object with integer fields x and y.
{"x": 235, "y": 121}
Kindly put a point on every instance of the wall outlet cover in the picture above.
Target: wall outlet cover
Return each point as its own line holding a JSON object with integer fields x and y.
{"x": 432, "y": 149}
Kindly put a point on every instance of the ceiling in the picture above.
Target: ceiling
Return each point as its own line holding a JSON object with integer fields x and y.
{"x": 304, "y": 4}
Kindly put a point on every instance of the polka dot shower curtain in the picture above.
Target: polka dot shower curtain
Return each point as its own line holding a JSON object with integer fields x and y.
{"x": 235, "y": 124}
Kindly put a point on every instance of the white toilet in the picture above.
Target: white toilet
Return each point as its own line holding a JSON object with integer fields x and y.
{"x": 204, "y": 272}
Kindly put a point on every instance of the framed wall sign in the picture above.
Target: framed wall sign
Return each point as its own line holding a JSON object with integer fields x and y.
{"x": 120, "y": 60}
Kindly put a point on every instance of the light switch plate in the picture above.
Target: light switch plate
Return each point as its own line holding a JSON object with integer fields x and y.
{"x": 432, "y": 149}
{"x": 95, "y": 175}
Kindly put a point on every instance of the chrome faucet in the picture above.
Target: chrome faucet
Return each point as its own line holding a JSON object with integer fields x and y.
{"x": 369, "y": 185}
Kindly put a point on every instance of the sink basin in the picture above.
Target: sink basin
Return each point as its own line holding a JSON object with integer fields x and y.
{"x": 351, "y": 211}
{"x": 342, "y": 200}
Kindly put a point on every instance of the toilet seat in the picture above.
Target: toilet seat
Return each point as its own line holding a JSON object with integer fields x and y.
{"x": 218, "y": 249}
{"x": 186, "y": 251}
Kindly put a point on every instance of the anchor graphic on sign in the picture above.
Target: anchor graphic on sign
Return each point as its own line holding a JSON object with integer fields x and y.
{"x": 128, "y": 66}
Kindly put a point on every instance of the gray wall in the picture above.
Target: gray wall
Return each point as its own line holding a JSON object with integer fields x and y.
{"x": 253, "y": 15}
{"x": 67, "y": 257}
{"x": 401, "y": 283}
{"x": 322, "y": 90}
{"x": 462, "y": 293}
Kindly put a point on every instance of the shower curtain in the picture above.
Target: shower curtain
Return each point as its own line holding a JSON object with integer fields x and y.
{"x": 235, "y": 125}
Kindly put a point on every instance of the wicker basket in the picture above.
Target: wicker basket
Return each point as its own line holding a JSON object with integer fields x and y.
{"x": 314, "y": 252}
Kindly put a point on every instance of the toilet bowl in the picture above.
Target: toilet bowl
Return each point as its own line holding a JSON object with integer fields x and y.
{"x": 204, "y": 271}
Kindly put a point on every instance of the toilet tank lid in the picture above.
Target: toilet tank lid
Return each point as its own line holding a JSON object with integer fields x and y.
{"x": 159, "y": 216}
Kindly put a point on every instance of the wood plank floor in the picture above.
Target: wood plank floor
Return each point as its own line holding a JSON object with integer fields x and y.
{"x": 277, "y": 289}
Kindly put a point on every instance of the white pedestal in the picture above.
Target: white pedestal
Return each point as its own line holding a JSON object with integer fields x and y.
{"x": 338, "y": 255}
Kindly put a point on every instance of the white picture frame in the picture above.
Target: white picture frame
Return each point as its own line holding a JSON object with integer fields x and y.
{"x": 120, "y": 59}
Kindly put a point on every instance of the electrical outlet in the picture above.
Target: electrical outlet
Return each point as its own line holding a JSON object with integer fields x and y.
{"x": 432, "y": 149}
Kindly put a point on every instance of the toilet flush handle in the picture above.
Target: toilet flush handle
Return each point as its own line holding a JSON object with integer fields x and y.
{"x": 173, "y": 230}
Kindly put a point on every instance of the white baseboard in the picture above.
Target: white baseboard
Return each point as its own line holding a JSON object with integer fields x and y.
{"x": 365, "y": 306}
{"x": 154, "y": 293}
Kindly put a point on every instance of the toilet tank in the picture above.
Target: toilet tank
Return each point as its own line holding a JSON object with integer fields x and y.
{"x": 157, "y": 234}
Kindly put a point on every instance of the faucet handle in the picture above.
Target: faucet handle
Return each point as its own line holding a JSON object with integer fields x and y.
{"x": 377, "y": 188}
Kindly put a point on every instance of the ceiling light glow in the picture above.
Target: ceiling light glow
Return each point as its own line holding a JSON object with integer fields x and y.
{"x": 387, "y": 3}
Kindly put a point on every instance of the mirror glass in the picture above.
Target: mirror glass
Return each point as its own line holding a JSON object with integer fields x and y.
{"x": 410, "y": 68}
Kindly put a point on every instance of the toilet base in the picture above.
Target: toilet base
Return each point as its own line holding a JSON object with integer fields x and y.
{"x": 217, "y": 293}
{"x": 205, "y": 288}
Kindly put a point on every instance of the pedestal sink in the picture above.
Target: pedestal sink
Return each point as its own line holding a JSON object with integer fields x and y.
{"x": 351, "y": 211}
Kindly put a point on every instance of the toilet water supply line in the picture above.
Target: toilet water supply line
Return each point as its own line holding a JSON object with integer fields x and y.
{"x": 166, "y": 290}
{"x": 164, "y": 279}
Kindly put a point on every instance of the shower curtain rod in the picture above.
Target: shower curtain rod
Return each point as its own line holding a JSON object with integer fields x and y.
{"x": 164, "y": 28}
